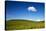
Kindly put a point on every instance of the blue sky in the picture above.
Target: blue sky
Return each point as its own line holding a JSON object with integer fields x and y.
{"x": 19, "y": 10}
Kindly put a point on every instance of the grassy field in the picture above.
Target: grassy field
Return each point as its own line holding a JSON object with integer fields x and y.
{"x": 23, "y": 24}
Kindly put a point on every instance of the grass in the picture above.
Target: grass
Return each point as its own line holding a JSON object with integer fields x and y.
{"x": 23, "y": 24}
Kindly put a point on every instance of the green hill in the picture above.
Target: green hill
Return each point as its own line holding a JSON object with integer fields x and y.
{"x": 23, "y": 24}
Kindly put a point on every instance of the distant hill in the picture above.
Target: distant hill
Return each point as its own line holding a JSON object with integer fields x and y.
{"x": 23, "y": 20}
{"x": 16, "y": 24}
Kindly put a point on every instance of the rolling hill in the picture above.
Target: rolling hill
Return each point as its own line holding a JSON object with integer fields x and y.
{"x": 24, "y": 24}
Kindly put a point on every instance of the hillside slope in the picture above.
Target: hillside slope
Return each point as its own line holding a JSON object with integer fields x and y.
{"x": 23, "y": 24}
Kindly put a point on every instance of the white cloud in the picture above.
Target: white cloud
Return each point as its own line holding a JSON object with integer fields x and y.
{"x": 39, "y": 20}
{"x": 32, "y": 9}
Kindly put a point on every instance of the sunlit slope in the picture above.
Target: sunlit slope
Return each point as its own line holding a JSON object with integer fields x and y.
{"x": 24, "y": 24}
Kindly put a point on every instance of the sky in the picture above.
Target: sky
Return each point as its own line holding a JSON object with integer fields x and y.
{"x": 24, "y": 10}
